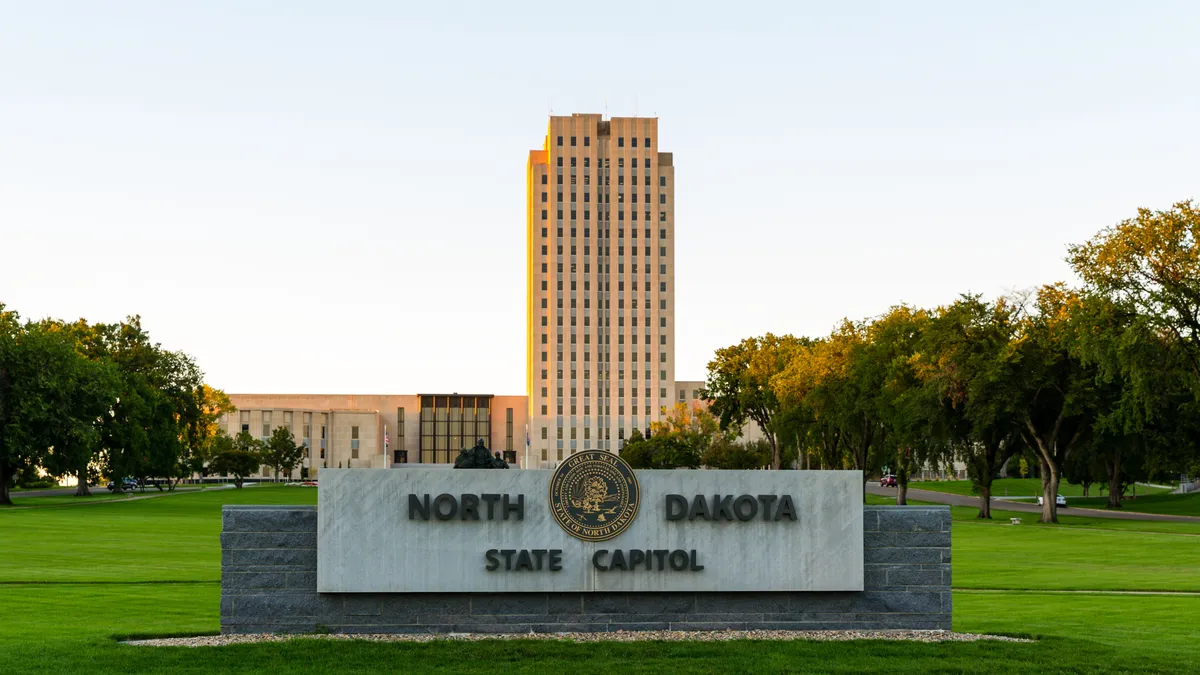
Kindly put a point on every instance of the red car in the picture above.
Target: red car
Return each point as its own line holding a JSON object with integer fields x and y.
{"x": 887, "y": 481}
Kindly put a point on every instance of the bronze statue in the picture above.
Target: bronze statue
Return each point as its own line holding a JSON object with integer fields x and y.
{"x": 479, "y": 457}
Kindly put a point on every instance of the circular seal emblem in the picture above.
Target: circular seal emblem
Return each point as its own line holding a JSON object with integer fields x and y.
{"x": 594, "y": 495}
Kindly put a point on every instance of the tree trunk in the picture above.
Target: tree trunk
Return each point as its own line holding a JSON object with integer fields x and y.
{"x": 901, "y": 492}
{"x": 985, "y": 501}
{"x": 81, "y": 477}
{"x": 5, "y": 479}
{"x": 776, "y": 456}
{"x": 1114, "y": 485}
{"x": 237, "y": 482}
{"x": 1050, "y": 495}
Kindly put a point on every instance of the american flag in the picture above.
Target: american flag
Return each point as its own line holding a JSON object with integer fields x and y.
{"x": 386, "y": 440}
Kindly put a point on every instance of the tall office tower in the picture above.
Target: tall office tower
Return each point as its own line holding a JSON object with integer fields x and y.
{"x": 601, "y": 340}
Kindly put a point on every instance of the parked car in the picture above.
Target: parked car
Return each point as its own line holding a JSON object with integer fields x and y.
{"x": 1059, "y": 500}
{"x": 887, "y": 481}
{"x": 126, "y": 485}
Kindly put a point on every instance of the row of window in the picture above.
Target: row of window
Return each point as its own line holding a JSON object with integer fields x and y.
{"x": 633, "y": 267}
{"x": 587, "y": 141}
{"x": 662, "y": 268}
{"x": 662, "y": 356}
{"x": 620, "y": 392}
{"x": 601, "y": 216}
{"x": 607, "y": 198}
{"x": 606, "y": 411}
{"x": 606, "y": 233}
{"x": 587, "y": 320}
{"x": 621, "y": 162}
{"x": 601, "y": 250}
{"x": 587, "y": 304}
{"x": 587, "y": 179}
{"x": 662, "y": 198}
{"x": 662, "y": 374}
{"x": 587, "y": 285}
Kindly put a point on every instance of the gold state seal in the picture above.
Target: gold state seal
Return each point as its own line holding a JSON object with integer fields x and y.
{"x": 594, "y": 495}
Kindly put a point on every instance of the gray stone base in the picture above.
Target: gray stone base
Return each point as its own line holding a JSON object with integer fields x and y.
{"x": 269, "y": 584}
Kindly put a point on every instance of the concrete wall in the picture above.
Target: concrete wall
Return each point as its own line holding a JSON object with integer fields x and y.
{"x": 269, "y": 584}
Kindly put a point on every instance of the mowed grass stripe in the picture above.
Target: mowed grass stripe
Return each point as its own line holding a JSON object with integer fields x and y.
{"x": 75, "y": 629}
{"x": 1019, "y": 487}
{"x": 169, "y": 539}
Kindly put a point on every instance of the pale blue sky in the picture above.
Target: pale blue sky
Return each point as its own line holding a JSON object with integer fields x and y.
{"x": 329, "y": 197}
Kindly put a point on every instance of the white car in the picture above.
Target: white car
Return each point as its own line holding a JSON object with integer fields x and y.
{"x": 1058, "y": 501}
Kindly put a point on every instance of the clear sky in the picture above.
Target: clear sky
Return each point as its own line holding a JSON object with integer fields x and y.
{"x": 329, "y": 196}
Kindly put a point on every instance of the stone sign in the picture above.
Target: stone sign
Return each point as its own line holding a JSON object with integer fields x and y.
{"x": 593, "y": 524}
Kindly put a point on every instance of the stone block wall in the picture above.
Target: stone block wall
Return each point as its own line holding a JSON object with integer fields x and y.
{"x": 269, "y": 584}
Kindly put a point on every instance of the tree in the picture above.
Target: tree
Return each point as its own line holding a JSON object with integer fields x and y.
{"x": 211, "y": 404}
{"x": 281, "y": 452}
{"x": 1057, "y": 389}
{"x": 693, "y": 426}
{"x": 904, "y": 408}
{"x": 972, "y": 379}
{"x": 237, "y": 463}
{"x": 840, "y": 380}
{"x": 34, "y": 371}
{"x": 636, "y": 452}
{"x": 84, "y": 397}
{"x": 730, "y": 454}
{"x": 668, "y": 451}
{"x": 739, "y": 385}
{"x": 1150, "y": 264}
{"x": 148, "y": 431}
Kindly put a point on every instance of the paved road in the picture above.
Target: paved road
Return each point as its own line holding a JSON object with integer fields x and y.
{"x": 1006, "y": 505}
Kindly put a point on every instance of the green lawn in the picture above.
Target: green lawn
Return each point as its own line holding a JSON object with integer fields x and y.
{"x": 1176, "y": 505}
{"x": 71, "y": 578}
{"x": 1017, "y": 487}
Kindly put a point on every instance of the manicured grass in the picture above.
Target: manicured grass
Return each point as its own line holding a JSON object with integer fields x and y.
{"x": 98, "y": 495}
{"x": 1016, "y": 487}
{"x": 1034, "y": 556}
{"x": 72, "y": 628}
{"x": 173, "y": 537}
{"x": 1176, "y": 505}
{"x": 151, "y": 567}
{"x": 1066, "y": 517}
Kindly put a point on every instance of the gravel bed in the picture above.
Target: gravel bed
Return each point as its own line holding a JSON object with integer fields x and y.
{"x": 615, "y": 636}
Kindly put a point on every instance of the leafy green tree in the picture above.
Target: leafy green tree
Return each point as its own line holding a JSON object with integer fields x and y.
{"x": 636, "y": 452}
{"x": 281, "y": 452}
{"x": 211, "y": 404}
{"x": 739, "y": 385}
{"x": 1057, "y": 396}
{"x": 147, "y": 433}
{"x": 236, "y": 463}
{"x": 1150, "y": 265}
{"x": 731, "y": 454}
{"x": 85, "y": 396}
{"x": 214, "y": 445}
{"x": 668, "y": 451}
{"x": 972, "y": 381}
{"x": 35, "y": 370}
{"x": 905, "y": 408}
{"x": 685, "y": 433}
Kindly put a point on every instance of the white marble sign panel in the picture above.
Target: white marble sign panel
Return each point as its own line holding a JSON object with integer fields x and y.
{"x": 371, "y": 539}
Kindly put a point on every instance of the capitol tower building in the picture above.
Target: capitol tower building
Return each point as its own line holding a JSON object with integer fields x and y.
{"x": 601, "y": 305}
